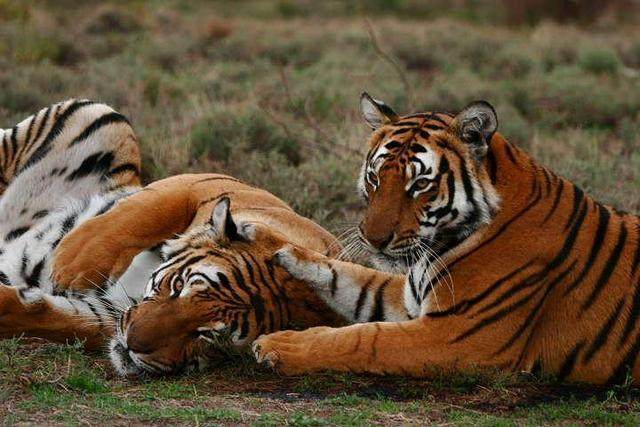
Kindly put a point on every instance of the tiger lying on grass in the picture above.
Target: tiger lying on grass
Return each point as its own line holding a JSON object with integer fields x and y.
{"x": 510, "y": 266}
{"x": 70, "y": 176}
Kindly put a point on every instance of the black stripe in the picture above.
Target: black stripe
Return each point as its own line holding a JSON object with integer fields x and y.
{"x": 610, "y": 265}
{"x": 14, "y": 142}
{"x": 284, "y": 297}
{"x": 362, "y": 297}
{"x": 532, "y": 315}
{"x": 556, "y": 201}
{"x": 334, "y": 281}
{"x": 56, "y": 129}
{"x": 40, "y": 214}
{"x": 412, "y": 286}
{"x": 69, "y": 222}
{"x": 604, "y": 333}
{"x": 15, "y": 233}
{"x": 626, "y": 365}
{"x": 492, "y": 166}
{"x": 466, "y": 305}
{"x": 547, "y": 180}
{"x": 501, "y": 230}
{"x": 402, "y": 130}
{"x": 433, "y": 127}
{"x": 107, "y": 207}
{"x": 601, "y": 231}
{"x": 636, "y": 257}
{"x": 100, "y": 122}
{"x": 252, "y": 278}
{"x": 378, "y": 309}
{"x": 578, "y": 196}
{"x": 24, "y": 263}
{"x": 217, "y": 178}
{"x": 125, "y": 167}
{"x": 33, "y": 280}
{"x": 4, "y": 279}
{"x": 244, "y": 327}
{"x": 5, "y": 154}
{"x": 97, "y": 163}
{"x": 27, "y": 138}
{"x": 495, "y": 317}
{"x": 41, "y": 125}
{"x": 570, "y": 240}
{"x": 630, "y": 326}
{"x": 509, "y": 150}
{"x": 569, "y": 362}
{"x": 94, "y": 311}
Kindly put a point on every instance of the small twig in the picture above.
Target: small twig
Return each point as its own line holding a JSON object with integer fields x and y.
{"x": 277, "y": 120}
{"x": 310, "y": 120}
{"x": 389, "y": 59}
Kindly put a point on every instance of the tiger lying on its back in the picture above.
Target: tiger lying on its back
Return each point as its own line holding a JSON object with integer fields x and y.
{"x": 534, "y": 274}
{"x": 69, "y": 169}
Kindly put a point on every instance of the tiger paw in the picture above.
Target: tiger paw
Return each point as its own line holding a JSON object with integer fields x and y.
{"x": 307, "y": 266}
{"x": 88, "y": 257}
{"x": 291, "y": 352}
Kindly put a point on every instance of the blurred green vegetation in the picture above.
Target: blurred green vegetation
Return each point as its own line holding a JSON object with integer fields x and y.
{"x": 268, "y": 91}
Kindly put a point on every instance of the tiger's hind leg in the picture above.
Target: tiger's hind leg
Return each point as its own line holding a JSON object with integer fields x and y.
{"x": 32, "y": 313}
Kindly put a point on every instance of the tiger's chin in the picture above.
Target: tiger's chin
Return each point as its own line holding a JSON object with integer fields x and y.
{"x": 390, "y": 264}
{"x": 122, "y": 361}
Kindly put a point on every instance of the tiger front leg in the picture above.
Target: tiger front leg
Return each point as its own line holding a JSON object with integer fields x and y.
{"x": 420, "y": 348}
{"x": 103, "y": 247}
{"x": 357, "y": 293}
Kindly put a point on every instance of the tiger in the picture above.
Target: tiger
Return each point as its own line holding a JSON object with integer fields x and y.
{"x": 68, "y": 162}
{"x": 217, "y": 287}
{"x": 485, "y": 259}
{"x": 187, "y": 277}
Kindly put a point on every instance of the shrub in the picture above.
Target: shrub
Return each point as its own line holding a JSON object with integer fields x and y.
{"x": 221, "y": 131}
{"x": 599, "y": 60}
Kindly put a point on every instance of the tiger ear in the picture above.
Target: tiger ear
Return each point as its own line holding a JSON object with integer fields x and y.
{"x": 475, "y": 125}
{"x": 376, "y": 113}
{"x": 222, "y": 222}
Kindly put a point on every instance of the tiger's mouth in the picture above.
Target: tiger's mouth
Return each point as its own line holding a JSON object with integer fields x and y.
{"x": 123, "y": 362}
{"x": 128, "y": 363}
{"x": 400, "y": 259}
{"x": 392, "y": 263}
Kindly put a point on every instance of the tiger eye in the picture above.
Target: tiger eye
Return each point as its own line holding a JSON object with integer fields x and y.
{"x": 421, "y": 184}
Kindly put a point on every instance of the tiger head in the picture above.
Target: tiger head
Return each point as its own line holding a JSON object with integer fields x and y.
{"x": 424, "y": 181}
{"x": 216, "y": 291}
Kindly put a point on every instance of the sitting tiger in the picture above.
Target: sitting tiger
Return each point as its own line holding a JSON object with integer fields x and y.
{"x": 509, "y": 265}
{"x": 71, "y": 176}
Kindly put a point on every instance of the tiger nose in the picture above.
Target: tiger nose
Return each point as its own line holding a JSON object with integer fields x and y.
{"x": 380, "y": 241}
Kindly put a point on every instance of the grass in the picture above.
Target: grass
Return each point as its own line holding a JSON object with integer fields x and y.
{"x": 47, "y": 383}
{"x": 267, "y": 91}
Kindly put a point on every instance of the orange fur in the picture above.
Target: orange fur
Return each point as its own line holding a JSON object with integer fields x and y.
{"x": 551, "y": 283}
{"x": 185, "y": 297}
